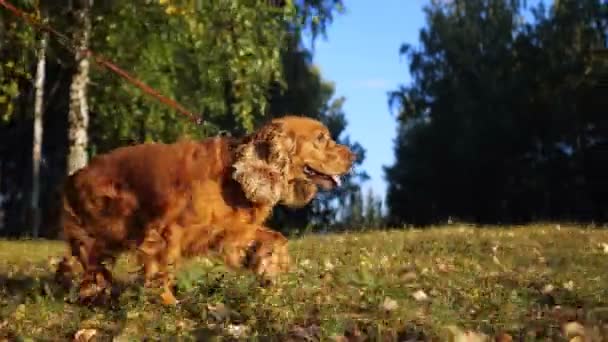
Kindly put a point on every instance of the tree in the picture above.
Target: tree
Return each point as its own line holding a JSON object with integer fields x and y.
{"x": 226, "y": 61}
{"x": 37, "y": 136}
{"x": 373, "y": 210}
{"x": 492, "y": 127}
{"x": 79, "y": 108}
{"x": 17, "y": 51}
{"x": 354, "y": 213}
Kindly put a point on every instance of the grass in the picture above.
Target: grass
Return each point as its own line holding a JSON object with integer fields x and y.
{"x": 383, "y": 285}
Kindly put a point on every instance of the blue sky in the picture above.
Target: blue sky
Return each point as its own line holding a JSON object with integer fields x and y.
{"x": 361, "y": 56}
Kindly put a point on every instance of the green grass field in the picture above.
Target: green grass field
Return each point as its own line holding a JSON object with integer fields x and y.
{"x": 524, "y": 283}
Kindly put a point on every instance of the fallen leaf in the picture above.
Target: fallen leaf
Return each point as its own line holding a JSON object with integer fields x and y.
{"x": 495, "y": 259}
{"x": 84, "y": 335}
{"x": 389, "y": 304}
{"x": 237, "y": 330}
{"x": 443, "y": 266}
{"x": 573, "y": 329}
{"x": 420, "y": 296}
{"x": 455, "y": 334}
{"x": 547, "y": 289}
{"x": 569, "y": 285}
{"x": 54, "y": 261}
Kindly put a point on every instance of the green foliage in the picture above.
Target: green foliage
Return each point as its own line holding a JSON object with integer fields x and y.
{"x": 495, "y": 125}
{"x": 218, "y": 58}
{"x": 16, "y": 49}
{"x": 234, "y": 64}
{"x": 316, "y": 15}
{"x": 360, "y": 212}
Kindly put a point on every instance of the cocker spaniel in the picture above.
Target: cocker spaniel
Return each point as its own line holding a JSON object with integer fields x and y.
{"x": 195, "y": 198}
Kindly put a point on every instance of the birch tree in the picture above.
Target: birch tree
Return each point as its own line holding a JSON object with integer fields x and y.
{"x": 78, "y": 116}
{"x": 37, "y": 135}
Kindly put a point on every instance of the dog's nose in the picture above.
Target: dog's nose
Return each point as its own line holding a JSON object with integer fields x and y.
{"x": 347, "y": 154}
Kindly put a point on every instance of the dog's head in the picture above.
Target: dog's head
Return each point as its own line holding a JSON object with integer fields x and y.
{"x": 288, "y": 159}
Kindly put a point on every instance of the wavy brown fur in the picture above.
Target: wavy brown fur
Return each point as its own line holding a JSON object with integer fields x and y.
{"x": 194, "y": 197}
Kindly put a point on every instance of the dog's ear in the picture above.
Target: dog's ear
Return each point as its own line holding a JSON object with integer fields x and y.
{"x": 262, "y": 163}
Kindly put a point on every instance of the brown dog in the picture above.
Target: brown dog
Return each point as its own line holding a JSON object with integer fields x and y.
{"x": 196, "y": 197}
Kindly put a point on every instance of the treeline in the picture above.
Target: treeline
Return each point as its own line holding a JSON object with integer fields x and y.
{"x": 505, "y": 120}
{"x": 233, "y": 63}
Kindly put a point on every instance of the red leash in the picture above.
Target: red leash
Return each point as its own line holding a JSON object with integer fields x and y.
{"x": 67, "y": 43}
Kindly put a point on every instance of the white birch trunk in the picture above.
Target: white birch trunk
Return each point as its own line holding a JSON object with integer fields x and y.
{"x": 37, "y": 136}
{"x": 78, "y": 116}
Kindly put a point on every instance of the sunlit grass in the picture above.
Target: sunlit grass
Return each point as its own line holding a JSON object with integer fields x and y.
{"x": 524, "y": 281}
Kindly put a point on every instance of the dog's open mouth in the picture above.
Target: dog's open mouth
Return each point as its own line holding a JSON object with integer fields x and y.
{"x": 323, "y": 179}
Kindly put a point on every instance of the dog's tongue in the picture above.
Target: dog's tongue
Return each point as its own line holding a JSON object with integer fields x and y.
{"x": 337, "y": 180}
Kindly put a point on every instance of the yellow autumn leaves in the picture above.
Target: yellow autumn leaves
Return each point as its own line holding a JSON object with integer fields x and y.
{"x": 170, "y": 9}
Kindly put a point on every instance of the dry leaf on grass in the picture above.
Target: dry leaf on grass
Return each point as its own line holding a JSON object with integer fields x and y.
{"x": 455, "y": 334}
{"x": 547, "y": 289}
{"x": 577, "y": 332}
{"x": 389, "y": 304}
{"x": 496, "y": 261}
{"x": 84, "y": 335}
{"x": 53, "y": 261}
{"x": 572, "y": 329}
{"x": 420, "y": 296}
{"x": 305, "y": 263}
{"x": 238, "y": 330}
{"x": 443, "y": 265}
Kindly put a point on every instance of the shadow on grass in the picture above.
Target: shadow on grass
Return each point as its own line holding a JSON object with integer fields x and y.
{"x": 36, "y": 306}
{"x": 53, "y": 312}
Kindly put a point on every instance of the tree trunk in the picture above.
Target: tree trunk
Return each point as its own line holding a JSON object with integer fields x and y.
{"x": 78, "y": 116}
{"x": 37, "y": 138}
